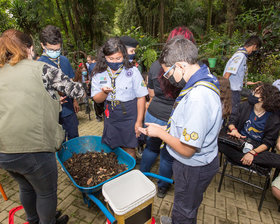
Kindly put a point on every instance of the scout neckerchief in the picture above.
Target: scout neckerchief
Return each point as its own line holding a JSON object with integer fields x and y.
{"x": 113, "y": 81}
{"x": 201, "y": 78}
{"x": 54, "y": 60}
{"x": 244, "y": 51}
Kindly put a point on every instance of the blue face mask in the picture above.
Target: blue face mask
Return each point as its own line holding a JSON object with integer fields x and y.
{"x": 131, "y": 57}
{"x": 84, "y": 73}
{"x": 53, "y": 54}
{"x": 114, "y": 65}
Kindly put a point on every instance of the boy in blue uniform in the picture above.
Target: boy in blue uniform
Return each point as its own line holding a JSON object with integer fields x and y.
{"x": 51, "y": 42}
{"x": 192, "y": 130}
{"x": 236, "y": 68}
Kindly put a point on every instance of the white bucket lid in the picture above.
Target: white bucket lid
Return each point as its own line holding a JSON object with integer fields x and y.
{"x": 128, "y": 191}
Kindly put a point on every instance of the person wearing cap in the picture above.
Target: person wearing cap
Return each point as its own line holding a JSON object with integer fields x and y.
{"x": 130, "y": 44}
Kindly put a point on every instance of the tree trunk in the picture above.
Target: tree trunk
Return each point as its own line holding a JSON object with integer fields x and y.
{"x": 161, "y": 21}
{"x": 209, "y": 15}
{"x": 71, "y": 21}
{"x": 232, "y": 7}
{"x": 62, "y": 19}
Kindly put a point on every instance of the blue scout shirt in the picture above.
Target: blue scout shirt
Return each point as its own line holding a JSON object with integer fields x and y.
{"x": 238, "y": 68}
{"x": 254, "y": 126}
{"x": 65, "y": 66}
{"x": 196, "y": 121}
{"x": 129, "y": 84}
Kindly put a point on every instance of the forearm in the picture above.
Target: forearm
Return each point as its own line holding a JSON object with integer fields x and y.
{"x": 260, "y": 149}
{"x": 100, "y": 97}
{"x": 176, "y": 144}
{"x": 140, "y": 108}
{"x": 227, "y": 75}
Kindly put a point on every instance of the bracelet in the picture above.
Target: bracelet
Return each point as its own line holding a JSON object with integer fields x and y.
{"x": 251, "y": 153}
{"x": 255, "y": 152}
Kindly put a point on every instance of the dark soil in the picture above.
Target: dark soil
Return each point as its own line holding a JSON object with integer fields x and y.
{"x": 92, "y": 168}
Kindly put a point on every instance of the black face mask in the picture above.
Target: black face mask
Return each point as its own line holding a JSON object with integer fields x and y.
{"x": 181, "y": 84}
{"x": 253, "y": 99}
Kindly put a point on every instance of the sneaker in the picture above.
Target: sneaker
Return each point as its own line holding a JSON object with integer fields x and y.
{"x": 161, "y": 192}
{"x": 165, "y": 220}
{"x": 62, "y": 220}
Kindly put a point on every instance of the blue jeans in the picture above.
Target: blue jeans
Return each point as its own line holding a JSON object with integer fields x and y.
{"x": 152, "y": 151}
{"x": 36, "y": 174}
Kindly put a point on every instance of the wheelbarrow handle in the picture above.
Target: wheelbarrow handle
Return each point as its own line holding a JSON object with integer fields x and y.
{"x": 168, "y": 180}
{"x": 103, "y": 209}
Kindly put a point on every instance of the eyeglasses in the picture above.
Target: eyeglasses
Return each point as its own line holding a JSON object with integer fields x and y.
{"x": 166, "y": 74}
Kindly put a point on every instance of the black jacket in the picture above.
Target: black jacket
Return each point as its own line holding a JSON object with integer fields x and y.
{"x": 272, "y": 125}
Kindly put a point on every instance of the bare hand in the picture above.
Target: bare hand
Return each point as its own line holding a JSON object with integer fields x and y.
{"x": 247, "y": 159}
{"x": 136, "y": 128}
{"x": 236, "y": 134}
{"x": 152, "y": 129}
{"x": 63, "y": 100}
{"x": 76, "y": 106}
{"x": 107, "y": 89}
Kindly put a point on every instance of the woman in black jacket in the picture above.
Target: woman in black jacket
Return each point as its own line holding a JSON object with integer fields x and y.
{"x": 258, "y": 122}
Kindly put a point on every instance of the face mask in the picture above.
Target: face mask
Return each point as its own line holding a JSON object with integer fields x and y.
{"x": 53, "y": 54}
{"x": 131, "y": 57}
{"x": 84, "y": 73}
{"x": 253, "y": 99}
{"x": 181, "y": 84}
{"x": 114, "y": 65}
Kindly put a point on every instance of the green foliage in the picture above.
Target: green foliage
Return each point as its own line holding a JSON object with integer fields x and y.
{"x": 146, "y": 51}
{"x": 6, "y": 20}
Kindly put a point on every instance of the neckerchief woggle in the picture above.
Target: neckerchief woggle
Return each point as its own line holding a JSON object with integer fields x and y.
{"x": 202, "y": 77}
{"x": 54, "y": 60}
{"x": 113, "y": 81}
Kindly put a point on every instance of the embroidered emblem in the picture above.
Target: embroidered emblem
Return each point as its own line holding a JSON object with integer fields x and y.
{"x": 143, "y": 83}
{"x": 103, "y": 78}
{"x": 194, "y": 136}
{"x": 129, "y": 73}
{"x": 184, "y": 131}
{"x": 187, "y": 137}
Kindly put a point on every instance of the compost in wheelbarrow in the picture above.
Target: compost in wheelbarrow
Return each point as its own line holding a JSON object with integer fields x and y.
{"x": 92, "y": 143}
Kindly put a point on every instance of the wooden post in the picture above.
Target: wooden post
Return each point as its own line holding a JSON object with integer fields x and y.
{"x": 3, "y": 193}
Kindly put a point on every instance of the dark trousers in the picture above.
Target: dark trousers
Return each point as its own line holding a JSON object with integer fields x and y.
{"x": 36, "y": 174}
{"x": 99, "y": 109}
{"x": 70, "y": 125}
{"x": 152, "y": 151}
{"x": 235, "y": 101}
{"x": 190, "y": 184}
{"x": 266, "y": 159}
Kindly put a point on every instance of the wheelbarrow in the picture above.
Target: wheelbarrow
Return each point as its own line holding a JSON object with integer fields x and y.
{"x": 93, "y": 144}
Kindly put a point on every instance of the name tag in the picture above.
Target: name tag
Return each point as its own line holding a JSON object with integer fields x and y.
{"x": 102, "y": 82}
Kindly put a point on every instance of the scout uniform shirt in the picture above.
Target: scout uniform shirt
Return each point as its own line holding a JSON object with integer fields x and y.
{"x": 238, "y": 68}
{"x": 129, "y": 84}
{"x": 196, "y": 121}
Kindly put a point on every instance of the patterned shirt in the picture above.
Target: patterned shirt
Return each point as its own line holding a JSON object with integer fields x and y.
{"x": 55, "y": 80}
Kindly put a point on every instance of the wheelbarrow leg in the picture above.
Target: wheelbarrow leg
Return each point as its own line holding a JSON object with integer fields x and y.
{"x": 86, "y": 200}
{"x": 102, "y": 207}
{"x": 3, "y": 193}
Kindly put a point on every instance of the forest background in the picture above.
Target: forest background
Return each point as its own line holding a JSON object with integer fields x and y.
{"x": 219, "y": 27}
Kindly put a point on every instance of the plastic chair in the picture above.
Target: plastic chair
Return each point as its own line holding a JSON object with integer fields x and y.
{"x": 3, "y": 193}
{"x": 254, "y": 169}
